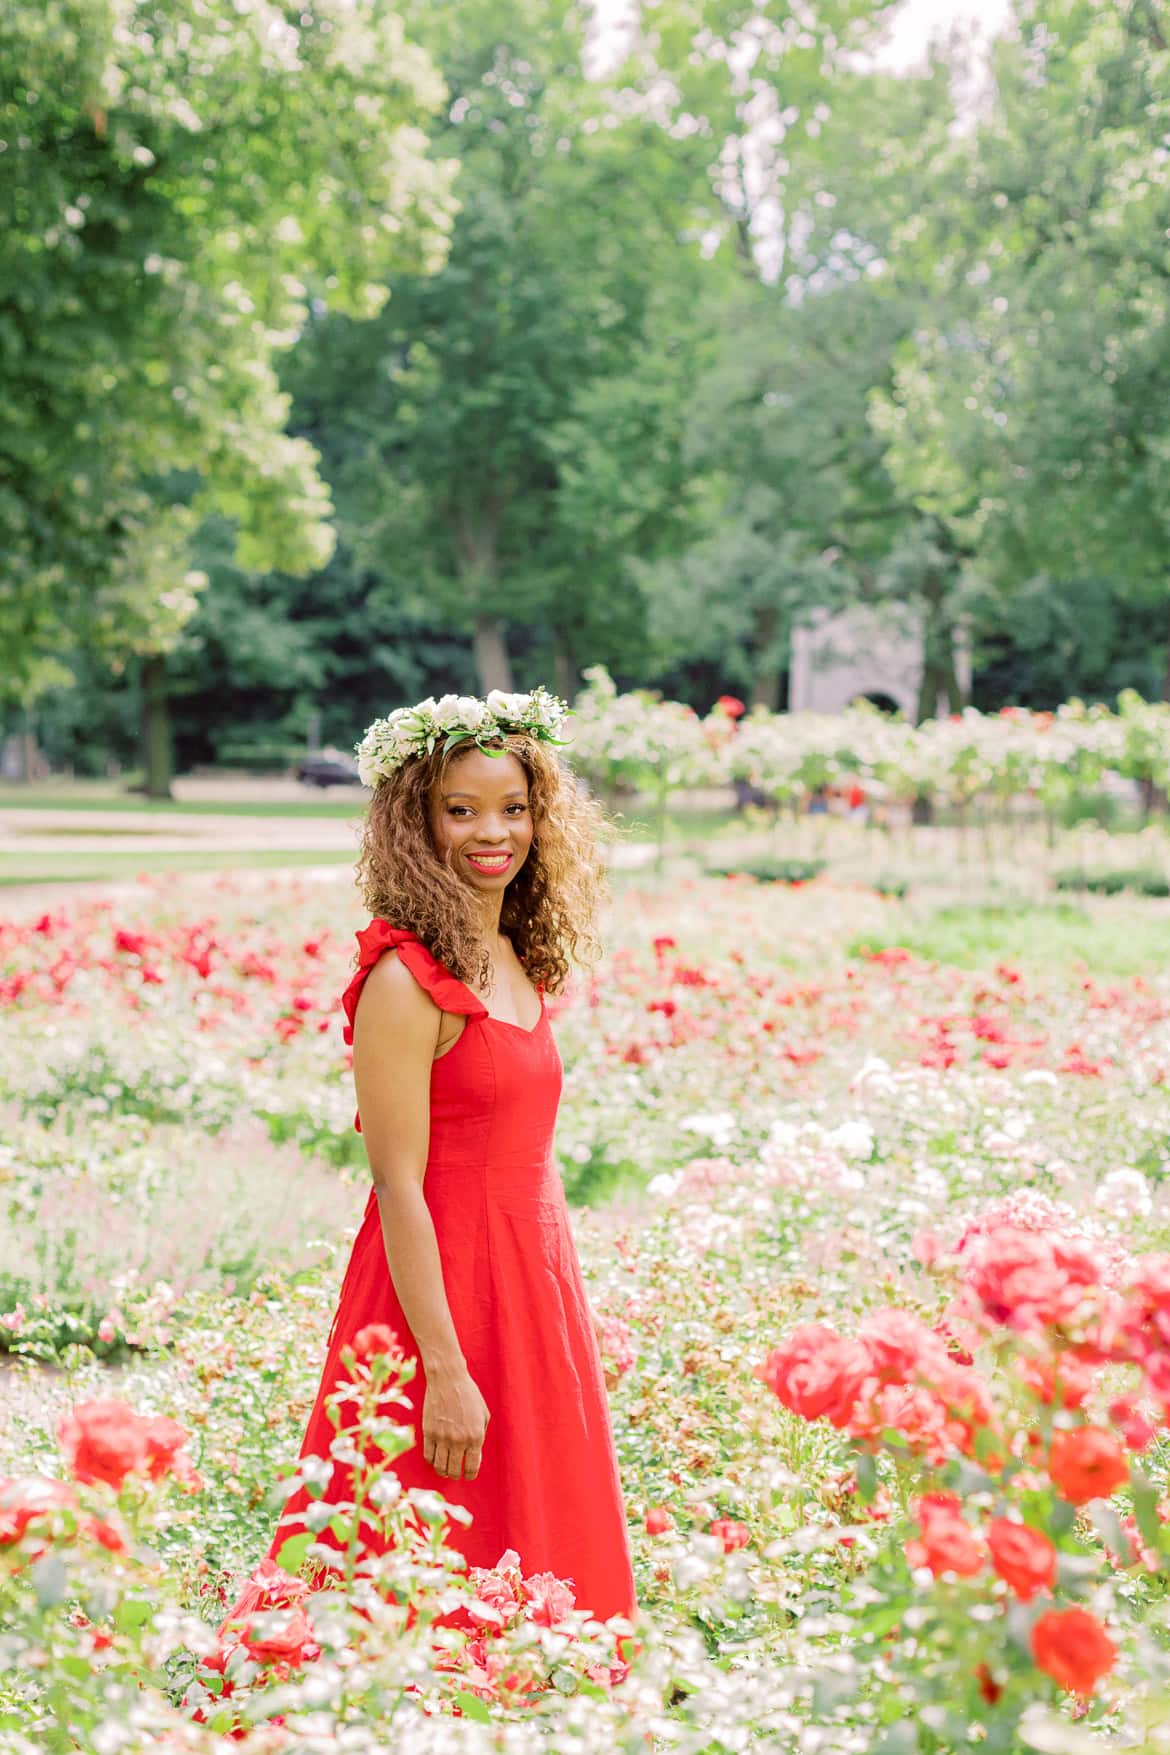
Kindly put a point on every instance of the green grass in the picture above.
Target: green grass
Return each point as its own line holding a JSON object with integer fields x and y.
{"x": 97, "y": 866}
{"x": 637, "y": 823}
{"x": 351, "y": 804}
{"x": 1110, "y": 937}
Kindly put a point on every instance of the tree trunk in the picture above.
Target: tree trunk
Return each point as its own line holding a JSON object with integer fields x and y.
{"x": 475, "y": 533}
{"x": 491, "y": 654}
{"x": 156, "y": 728}
{"x": 940, "y": 675}
{"x": 766, "y": 672}
{"x": 565, "y": 680}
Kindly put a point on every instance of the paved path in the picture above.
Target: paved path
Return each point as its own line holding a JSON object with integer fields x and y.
{"x": 113, "y": 831}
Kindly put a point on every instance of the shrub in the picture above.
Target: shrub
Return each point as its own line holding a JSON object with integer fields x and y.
{"x": 1141, "y": 881}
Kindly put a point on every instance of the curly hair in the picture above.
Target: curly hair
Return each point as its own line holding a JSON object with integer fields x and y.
{"x": 549, "y": 909}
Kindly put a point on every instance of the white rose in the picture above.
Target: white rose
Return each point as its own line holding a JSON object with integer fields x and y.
{"x": 447, "y": 713}
{"x": 472, "y": 712}
{"x": 506, "y": 706}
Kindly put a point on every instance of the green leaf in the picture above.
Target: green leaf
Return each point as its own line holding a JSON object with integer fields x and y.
{"x": 131, "y": 1613}
{"x": 866, "y": 1476}
{"x": 471, "y": 1706}
{"x": 292, "y": 1552}
{"x": 1145, "y": 1509}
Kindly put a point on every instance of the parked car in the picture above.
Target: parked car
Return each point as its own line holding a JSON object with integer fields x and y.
{"x": 328, "y": 768}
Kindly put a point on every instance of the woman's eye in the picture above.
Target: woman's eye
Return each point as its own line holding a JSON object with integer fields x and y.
{"x": 458, "y": 810}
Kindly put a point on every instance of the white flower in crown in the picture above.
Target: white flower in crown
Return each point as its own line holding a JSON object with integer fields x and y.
{"x": 453, "y": 719}
{"x": 504, "y": 706}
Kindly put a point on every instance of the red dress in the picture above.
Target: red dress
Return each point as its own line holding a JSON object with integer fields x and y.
{"x": 548, "y": 1481}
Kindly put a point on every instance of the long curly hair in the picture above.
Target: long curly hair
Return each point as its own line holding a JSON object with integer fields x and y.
{"x": 550, "y": 908}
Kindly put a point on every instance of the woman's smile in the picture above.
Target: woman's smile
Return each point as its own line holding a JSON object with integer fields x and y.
{"x": 489, "y": 863}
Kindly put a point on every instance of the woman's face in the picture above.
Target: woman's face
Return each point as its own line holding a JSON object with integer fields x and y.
{"x": 480, "y": 818}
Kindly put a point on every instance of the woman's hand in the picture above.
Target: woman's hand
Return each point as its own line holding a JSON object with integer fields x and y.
{"x": 454, "y": 1423}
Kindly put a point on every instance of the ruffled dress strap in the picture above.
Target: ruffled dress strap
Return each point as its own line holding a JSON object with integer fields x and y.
{"x": 448, "y": 992}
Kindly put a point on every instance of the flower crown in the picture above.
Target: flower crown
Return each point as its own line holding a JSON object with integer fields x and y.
{"x": 414, "y": 731}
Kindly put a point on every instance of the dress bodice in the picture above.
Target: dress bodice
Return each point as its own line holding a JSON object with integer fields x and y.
{"x": 495, "y": 1091}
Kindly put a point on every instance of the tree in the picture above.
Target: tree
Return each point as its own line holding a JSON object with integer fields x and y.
{"x": 511, "y": 428}
{"x": 820, "y": 162}
{"x": 177, "y": 179}
{"x": 1032, "y": 412}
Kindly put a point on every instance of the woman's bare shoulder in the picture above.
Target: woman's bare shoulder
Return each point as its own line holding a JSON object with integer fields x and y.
{"x": 391, "y": 994}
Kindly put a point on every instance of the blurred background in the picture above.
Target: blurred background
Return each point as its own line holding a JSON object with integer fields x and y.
{"x": 362, "y": 349}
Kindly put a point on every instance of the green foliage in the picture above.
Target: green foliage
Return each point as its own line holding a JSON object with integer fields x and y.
{"x": 168, "y": 193}
{"x": 1029, "y": 412}
{"x": 977, "y": 935}
{"x": 504, "y": 438}
{"x": 740, "y": 329}
{"x": 1112, "y": 882}
{"x": 769, "y": 870}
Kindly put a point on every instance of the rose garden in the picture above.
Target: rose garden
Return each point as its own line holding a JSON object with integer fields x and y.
{"x": 869, "y": 1184}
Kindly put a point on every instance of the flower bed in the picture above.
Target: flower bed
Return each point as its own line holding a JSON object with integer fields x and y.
{"x": 888, "y": 1340}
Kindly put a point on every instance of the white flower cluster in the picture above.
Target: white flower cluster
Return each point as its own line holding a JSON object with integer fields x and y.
{"x": 414, "y": 731}
{"x": 637, "y": 739}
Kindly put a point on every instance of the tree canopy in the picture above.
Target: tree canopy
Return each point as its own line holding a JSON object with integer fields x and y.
{"x": 383, "y": 348}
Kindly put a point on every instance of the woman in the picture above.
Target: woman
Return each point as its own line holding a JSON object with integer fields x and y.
{"x": 481, "y": 869}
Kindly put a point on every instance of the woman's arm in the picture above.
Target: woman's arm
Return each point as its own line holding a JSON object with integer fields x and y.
{"x": 396, "y": 1030}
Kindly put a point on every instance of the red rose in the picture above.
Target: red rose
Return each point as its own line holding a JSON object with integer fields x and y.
{"x": 731, "y": 1535}
{"x": 286, "y": 1637}
{"x": 900, "y": 1346}
{"x": 268, "y": 1587}
{"x": 1132, "y": 1423}
{"x": 376, "y": 1338}
{"x": 165, "y": 1439}
{"x": 658, "y": 1521}
{"x": 1072, "y": 1647}
{"x": 495, "y": 1600}
{"x": 104, "y": 1440}
{"x": 1033, "y": 1279}
{"x": 106, "y": 1534}
{"x": 1023, "y": 1557}
{"x": 1069, "y": 1380}
{"x": 548, "y": 1598}
{"x": 1087, "y": 1463}
{"x": 947, "y": 1543}
{"x": 815, "y": 1373}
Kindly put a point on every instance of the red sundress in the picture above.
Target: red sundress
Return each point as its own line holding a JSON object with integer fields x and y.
{"x": 548, "y": 1482}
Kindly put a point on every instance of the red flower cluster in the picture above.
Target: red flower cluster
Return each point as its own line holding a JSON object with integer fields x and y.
{"x": 106, "y": 1440}
{"x": 947, "y": 1543}
{"x": 898, "y": 1375}
{"x": 505, "y": 1598}
{"x": 1033, "y": 1280}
